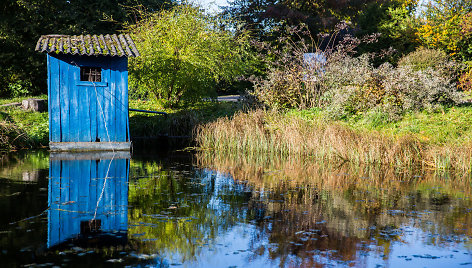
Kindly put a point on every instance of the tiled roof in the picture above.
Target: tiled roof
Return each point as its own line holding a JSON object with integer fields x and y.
{"x": 91, "y": 45}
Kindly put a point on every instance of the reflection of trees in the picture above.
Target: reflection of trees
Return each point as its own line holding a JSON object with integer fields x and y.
{"x": 180, "y": 211}
{"x": 311, "y": 208}
{"x": 23, "y": 179}
{"x": 14, "y": 165}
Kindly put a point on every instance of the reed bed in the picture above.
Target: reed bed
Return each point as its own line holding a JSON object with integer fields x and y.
{"x": 275, "y": 133}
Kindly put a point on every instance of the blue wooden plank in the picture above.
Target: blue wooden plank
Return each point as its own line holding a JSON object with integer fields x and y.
{"x": 110, "y": 195}
{"x": 64, "y": 198}
{"x": 64, "y": 102}
{"x": 118, "y": 163}
{"x": 109, "y": 198}
{"x": 109, "y": 92}
{"x": 74, "y": 128}
{"x": 121, "y": 101}
{"x": 85, "y": 185}
{"x": 53, "y": 202}
{"x": 94, "y": 185}
{"x": 101, "y": 109}
{"x": 115, "y": 100}
{"x": 102, "y": 195}
{"x": 117, "y": 196}
{"x": 124, "y": 198}
{"x": 54, "y": 100}
{"x": 84, "y": 114}
{"x": 93, "y": 114}
{"x": 122, "y": 194}
{"x": 88, "y": 84}
{"x": 88, "y": 115}
{"x": 75, "y": 182}
{"x": 49, "y": 95}
{"x": 126, "y": 101}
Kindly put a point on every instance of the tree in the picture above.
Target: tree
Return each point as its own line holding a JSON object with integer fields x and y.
{"x": 395, "y": 22}
{"x": 184, "y": 54}
{"x": 261, "y": 16}
{"x": 22, "y": 22}
{"x": 444, "y": 26}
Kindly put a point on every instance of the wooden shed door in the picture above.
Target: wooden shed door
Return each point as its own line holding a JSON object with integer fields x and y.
{"x": 95, "y": 109}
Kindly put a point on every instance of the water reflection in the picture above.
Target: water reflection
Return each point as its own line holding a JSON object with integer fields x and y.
{"x": 88, "y": 199}
{"x": 314, "y": 215}
{"x": 213, "y": 211}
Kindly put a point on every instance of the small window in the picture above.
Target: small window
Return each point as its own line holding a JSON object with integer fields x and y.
{"x": 91, "y": 74}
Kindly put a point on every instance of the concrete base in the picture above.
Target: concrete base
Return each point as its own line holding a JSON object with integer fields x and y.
{"x": 89, "y": 146}
{"x": 91, "y": 155}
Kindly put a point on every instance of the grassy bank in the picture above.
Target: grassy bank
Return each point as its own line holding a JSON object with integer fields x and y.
{"x": 21, "y": 129}
{"x": 179, "y": 121}
{"x": 439, "y": 140}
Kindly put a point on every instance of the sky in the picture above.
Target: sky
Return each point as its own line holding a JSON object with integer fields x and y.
{"x": 212, "y": 5}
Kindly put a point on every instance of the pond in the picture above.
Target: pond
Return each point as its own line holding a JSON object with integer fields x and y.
{"x": 204, "y": 210}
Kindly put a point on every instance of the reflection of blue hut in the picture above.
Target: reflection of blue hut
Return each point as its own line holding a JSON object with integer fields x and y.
{"x": 88, "y": 91}
{"x": 88, "y": 197}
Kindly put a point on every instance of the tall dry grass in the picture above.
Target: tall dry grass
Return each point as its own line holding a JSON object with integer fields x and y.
{"x": 274, "y": 133}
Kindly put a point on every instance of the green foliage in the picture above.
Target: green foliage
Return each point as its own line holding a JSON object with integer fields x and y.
{"x": 184, "y": 55}
{"x": 179, "y": 122}
{"x": 446, "y": 126}
{"x": 444, "y": 26}
{"x": 10, "y": 136}
{"x": 465, "y": 42}
{"x": 23, "y": 22}
{"x": 451, "y": 126}
{"x": 22, "y": 129}
{"x": 262, "y": 17}
{"x": 424, "y": 58}
{"x": 395, "y": 22}
{"x": 20, "y": 88}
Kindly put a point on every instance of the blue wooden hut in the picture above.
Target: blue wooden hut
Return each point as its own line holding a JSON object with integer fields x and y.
{"x": 88, "y": 91}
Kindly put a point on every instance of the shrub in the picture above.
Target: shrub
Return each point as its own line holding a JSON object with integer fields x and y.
{"x": 465, "y": 81}
{"x": 288, "y": 88}
{"x": 295, "y": 67}
{"x": 184, "y": 54}
{"x": 424, "y": 58}
{"x": 359, "y": 88}
{"x": 345, "y": 85}
{"x": 352, "y": 85}
{"x": 19, "y": 88}
{"x": 10, "y": 136}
